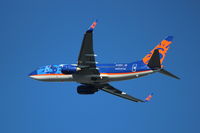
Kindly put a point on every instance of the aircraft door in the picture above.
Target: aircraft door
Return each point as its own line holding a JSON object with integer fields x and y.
{"x": 134, "y": 67}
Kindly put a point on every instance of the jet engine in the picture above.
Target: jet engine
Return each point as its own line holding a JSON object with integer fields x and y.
{"x": 86, "y": 89}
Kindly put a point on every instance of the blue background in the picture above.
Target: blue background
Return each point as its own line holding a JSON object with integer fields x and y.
{"x": 34, "y": 33}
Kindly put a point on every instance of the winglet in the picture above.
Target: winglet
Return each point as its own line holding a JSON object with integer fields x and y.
{"x": 148, "y": 98}
{"x": 91, "y": 28}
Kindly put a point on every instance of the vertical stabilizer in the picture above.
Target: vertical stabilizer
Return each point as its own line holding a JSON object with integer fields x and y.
{"x": 162, "y": 48}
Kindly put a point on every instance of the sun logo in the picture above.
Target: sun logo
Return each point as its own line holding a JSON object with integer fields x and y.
{"x": 162, "y": 48}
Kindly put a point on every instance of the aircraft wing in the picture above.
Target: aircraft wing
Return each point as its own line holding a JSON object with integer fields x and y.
{"x": 86, "y": 59}
{"x": 108, "y": 88}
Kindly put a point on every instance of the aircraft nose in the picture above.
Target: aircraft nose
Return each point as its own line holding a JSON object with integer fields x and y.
{"x": 32, "y": 74}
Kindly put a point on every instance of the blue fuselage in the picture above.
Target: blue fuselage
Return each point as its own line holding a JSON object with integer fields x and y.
{"x": 108, "y": 72}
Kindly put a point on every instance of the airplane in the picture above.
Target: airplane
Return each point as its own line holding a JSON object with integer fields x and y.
{"x": 94, "y": 77}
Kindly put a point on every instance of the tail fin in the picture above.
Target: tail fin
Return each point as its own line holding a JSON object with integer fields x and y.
{"x": 162, "y": 49}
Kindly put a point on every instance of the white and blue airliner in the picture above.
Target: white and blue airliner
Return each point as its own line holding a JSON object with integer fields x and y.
{"x": 94, "y": 77}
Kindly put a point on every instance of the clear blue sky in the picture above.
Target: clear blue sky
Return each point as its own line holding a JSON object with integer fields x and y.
{"x": 41, "y": 32}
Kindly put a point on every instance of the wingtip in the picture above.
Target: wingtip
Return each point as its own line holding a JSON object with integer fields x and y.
{"x": 91, "y": 28}
{"x": 178, "y": 78}
{"x": 149, "y": 97}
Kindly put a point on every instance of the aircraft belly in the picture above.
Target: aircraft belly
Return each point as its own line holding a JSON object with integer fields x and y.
{"x": 53, "y": 78}
{"x": 90, "y": 79}
{"x": 64, "y": 78}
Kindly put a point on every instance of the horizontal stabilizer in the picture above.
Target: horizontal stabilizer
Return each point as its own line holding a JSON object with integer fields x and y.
{"x": 165, "y": 72}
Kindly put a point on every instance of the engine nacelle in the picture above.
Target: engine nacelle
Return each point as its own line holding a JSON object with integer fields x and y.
{"x": 86, "y": 89}
{"x": 69, "y": 69}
